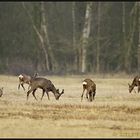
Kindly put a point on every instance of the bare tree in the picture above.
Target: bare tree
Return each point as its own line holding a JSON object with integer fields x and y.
{"x": 138, "y": 3}
{"x": 52, "y": 62}
{"x": 98, "y": 39}
{"x": 43, "y": 36}
{"x": 123, "y": 29}
{"x": 85, "y": 36}
{"x": 74, "y": 36}
{"x": 129, "y": 40}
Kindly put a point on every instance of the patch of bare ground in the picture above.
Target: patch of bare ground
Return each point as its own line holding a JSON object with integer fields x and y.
{"x": 113, "y": 113}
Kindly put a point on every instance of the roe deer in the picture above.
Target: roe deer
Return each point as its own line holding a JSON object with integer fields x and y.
{"x": 25, "y": 79}
{"x": 1, "y": 91}
{"x": 46, "y": 85}
{"x": 135, "y": 82}
{"x": 90, "y": 86}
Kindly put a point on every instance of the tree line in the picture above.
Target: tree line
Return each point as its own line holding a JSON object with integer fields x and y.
{"x": 69, "y": 37}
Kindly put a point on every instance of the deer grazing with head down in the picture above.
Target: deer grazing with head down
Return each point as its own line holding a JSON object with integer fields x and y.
{"x": 135, "y": 82}
{"x": 25, "y": 79}
{"x": 90, "y": 86}
{"x": 46, "y": 85}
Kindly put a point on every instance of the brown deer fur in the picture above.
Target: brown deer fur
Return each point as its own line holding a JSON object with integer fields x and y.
{"x": 25, "y": 79}
{"x": 44, "y": 84}
{"x": 90, "y": 86}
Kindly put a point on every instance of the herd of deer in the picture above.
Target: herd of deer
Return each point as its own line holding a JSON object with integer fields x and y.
{"x": 46, "y": 85}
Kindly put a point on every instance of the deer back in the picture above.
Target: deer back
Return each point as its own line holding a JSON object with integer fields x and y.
{"x": 45, "y": 84}
{"x": 89, "y": 84}
{"x": 25, "y": 78}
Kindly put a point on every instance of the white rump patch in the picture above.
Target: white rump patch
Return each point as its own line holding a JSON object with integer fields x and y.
{"x": 84, "y": 83}
{"x": 139, "y": 79}
{"x": 20, "y": 76}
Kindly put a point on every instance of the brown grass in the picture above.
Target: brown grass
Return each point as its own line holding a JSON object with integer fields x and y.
{"x": 114, "y": 112}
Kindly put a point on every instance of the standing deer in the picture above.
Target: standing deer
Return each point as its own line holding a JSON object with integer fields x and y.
{"x": 25, "y": 79}
{"x": 90, "y": 86}
{"x": 135, "y": 82}
{"x": 46, "y": 85}
{"x": 1, "y": 91}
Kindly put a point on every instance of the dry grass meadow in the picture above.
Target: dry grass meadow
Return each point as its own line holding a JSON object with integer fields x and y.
{"x": 114, "y": 113}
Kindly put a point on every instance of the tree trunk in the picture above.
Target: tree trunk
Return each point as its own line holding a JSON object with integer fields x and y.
{"x": 40, "y": 38}
{"x": 139, "y": 37}
{"x": 74, "y": 37}
{"x": 98, "y": 39}
{"x": 129, "y": 42}
{"x": 123, "y": 31}
{"x": 51, "y": 62}
{"x": 85, "y": 36}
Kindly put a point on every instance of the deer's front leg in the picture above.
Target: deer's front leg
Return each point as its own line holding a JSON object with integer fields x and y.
{"x": 28, "y": 93}
{"x": 42, "y": 93}
{"x": 23, "y": 86}
{"x": 47, "y": 94}
{"x": 29, "y": 86}
{"x": 18, "y": 86}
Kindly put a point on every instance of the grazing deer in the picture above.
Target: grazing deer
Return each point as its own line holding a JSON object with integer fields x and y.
{"x": 25, "y": 79}
{"x": 46, "y": 85}
{"x": 90, "y": 86}
{"x": 1, "y": 91}
{"x": 135, "y": 82}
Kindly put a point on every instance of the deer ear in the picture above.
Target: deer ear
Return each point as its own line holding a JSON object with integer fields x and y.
{"x": 62, "y": 91}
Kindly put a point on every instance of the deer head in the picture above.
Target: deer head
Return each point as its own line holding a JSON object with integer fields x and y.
{"x": 58, "y": 94}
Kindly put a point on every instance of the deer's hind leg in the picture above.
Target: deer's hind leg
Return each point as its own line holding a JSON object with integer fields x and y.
{"x": 29, "y": 91}
{"x": 34, "y": 93}
{"x": 82, "y": 94}
{"x": 90, "y": 96}
{"x": 87, "y": 94}
{"x": 18, "y": 86}
{"x": 94, "y": 95}
{"x": 138, "y": 88}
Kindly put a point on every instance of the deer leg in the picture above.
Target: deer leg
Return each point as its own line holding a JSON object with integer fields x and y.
{"x": 34, "y": 93}
{"x": 47, "y": 94}
{"x": 28, "y": 93}
{"x": 23, "y": 87}
{"x": 134, "y": 90}
{"x": 82, "y": 94}
{"x": 138, "y": 89}
{"x": 94, "y": 95}
{"x": 87, "y": 95}
{"x": 43, "y": 94}
{"x": 18, "y": 86}
{"x": 29, "y": 87}
{"x": 90, "y": 96}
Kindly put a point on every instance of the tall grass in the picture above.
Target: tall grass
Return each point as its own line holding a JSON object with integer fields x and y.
{"x": 114, "y": 112}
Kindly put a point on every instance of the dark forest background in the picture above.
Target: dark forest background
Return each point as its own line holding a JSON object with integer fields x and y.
{"x": 69, "y": 37}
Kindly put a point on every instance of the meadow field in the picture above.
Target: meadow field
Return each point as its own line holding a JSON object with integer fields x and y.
{"x": 115, "y": 113}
